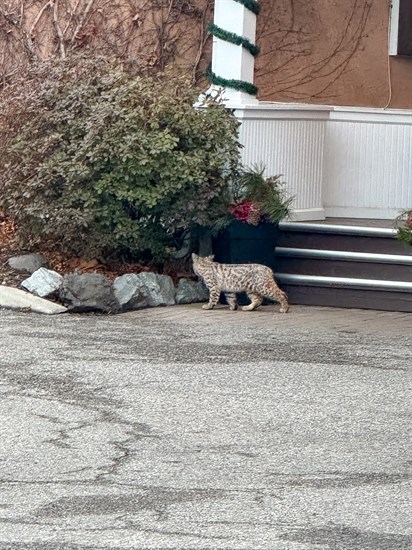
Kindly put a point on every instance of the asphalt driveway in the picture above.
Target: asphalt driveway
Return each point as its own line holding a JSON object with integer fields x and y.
{"x": 178, "y": 428}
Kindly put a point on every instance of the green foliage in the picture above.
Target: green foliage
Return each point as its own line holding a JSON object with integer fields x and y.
{"x": 405, "y": 235}
{"x": 267, "y": 192}
{"x": 103, "y": 162}
{"x": 233, "y": 38}
{"x": 404, "y": 227}
{"x": 251, "y": 5}
{"x": 240, "y": 85}
{"x": 250, "y": 186}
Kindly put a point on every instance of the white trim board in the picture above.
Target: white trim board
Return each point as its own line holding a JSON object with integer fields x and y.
{"x": 394, "y": 27}
{"x": 314, "y": 214}
{"x": 364, "y": 213}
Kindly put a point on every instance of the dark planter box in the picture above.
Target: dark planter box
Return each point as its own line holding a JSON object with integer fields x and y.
{"x": 242, "y": 243}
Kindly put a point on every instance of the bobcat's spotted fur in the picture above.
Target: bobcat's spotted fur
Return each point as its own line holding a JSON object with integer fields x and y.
{"x": 254, "y": 279}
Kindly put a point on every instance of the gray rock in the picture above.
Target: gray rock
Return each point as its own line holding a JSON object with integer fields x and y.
{"x": 27, "y": 262}
{"x": 160, "y": 288}
{"x": 13, "y": 298}
{"x": 130, "y": 292}
{"x": 88, "y": 292}
{"x": 43, "y": 282}
{"x": 189, "y": 292}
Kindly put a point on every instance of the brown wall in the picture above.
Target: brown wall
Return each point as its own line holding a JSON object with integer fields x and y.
{"x": 330, "y": 52}
{"x": 154, "y": 33}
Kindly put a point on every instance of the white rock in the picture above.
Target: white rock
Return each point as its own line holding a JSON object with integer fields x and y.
{"x": 13, "y": 298}
{"x": 44, "y": 282}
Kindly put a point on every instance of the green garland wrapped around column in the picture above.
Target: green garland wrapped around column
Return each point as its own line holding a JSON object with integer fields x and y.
{"x": 233, "y": 38}
{"x": 251, "y": 5}
{"x": 240, "y": 85}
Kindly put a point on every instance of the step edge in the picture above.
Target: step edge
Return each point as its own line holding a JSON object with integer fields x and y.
{"x": 342, "y": 255}
{"x": 343, "y": 282}
{"x": 359, "y": 230}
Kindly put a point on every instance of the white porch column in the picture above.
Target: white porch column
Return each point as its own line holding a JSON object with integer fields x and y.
{"x": 232, "y": 62}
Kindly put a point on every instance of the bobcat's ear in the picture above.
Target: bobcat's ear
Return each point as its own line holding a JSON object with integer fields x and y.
{"x": 211, "y": 258}
{"x": 194, "y": 256}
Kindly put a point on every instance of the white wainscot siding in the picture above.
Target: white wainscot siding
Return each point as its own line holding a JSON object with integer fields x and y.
{"x": 288, "y": 141}
{"x": 336, "y": 161}
{"x": 368, "y": 163}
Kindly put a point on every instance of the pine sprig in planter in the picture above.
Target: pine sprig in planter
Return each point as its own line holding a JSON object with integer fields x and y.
{"x": 254, "y": 198}
{"x": 265, "y": 197}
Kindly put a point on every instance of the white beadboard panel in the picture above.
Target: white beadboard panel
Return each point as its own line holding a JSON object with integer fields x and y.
{"x": 368, "y": 165}
{"x": 336, "y": 161}
{"x": 291, "y": 147}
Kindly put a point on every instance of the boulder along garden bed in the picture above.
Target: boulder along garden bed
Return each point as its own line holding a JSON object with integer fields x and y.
{"x": 47, "y": 282}
{"x": 86, "y": 292}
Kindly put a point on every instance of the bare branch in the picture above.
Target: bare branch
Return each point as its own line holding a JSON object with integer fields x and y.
{"x": 202, "y": 42}
{"x": 72, "y": 14}
{"x": 82, "y": 19}
{"x": 311, "y": 80}
{"x": 26, "y": 38}
{"x": 58, "y": 29}
{"x": 153, "y": 32}
{"x": 48, "y": 4}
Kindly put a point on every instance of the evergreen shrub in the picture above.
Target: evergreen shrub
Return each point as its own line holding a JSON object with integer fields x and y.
{"x": 103, "y": 161}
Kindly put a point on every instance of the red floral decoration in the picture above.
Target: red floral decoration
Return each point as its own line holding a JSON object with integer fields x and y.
{"x": 246, "y": 211}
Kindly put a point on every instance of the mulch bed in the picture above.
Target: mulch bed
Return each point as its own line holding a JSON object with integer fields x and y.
{"x": 62, "y": 264}
{"x": 7, "y": 249}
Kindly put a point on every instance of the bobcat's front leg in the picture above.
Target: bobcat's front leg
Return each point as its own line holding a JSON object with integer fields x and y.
{"x": 214, "y": 295}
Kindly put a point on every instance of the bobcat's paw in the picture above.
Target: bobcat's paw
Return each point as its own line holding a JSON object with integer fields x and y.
{"x": 207, "y": 306}
{"x": 284, "y": 309}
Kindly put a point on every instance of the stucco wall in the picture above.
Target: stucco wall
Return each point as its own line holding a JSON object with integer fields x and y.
{"x": 151, "y": 33}
{"x": 330, "y": 52}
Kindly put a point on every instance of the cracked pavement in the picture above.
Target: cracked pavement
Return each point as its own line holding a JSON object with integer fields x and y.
{"x": 179, "y": 428}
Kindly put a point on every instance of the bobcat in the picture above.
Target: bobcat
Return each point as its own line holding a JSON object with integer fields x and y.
{"x": 254, "y": 279}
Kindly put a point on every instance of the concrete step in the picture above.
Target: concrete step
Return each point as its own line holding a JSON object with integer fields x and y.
{"x": 347, "y": 292}
{"x": 344, "y": 264}
{"x": 329, "y": 236}
{"x": 356, "y": 266}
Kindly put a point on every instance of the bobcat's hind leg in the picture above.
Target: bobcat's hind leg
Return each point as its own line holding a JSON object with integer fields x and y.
{"x": 214, "y": 295}
{"x": 275, "y": 293}
{"x": 255, "y": 301}
{"x": 231, "y": 300}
